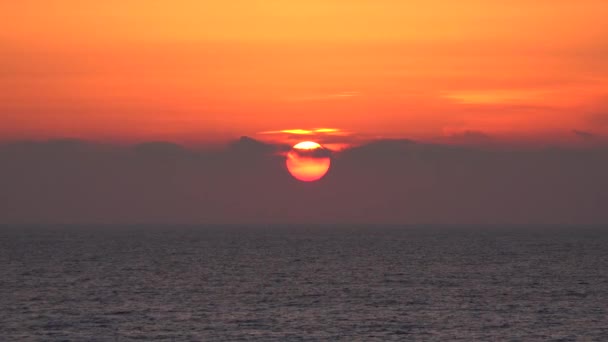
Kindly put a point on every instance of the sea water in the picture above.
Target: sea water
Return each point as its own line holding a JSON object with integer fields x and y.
{"x": 303, "y": 283}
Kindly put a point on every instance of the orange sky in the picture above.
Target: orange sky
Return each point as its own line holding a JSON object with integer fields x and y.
{"x": 206, "y": 71}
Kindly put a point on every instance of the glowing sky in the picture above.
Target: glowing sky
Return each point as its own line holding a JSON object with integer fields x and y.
{"x": 207, "y": 71}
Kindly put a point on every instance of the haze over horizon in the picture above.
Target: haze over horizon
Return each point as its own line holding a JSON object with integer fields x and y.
{"x": 386, "y": 181}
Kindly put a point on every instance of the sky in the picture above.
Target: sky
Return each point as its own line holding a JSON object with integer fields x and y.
{"x": 206, "y": 72}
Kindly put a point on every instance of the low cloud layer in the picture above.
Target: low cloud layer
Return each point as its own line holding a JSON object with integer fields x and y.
{"x": 387, "y": 181}
{"x": 583, "y": 134}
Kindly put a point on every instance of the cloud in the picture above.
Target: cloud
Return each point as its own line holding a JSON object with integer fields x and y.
{"x": 343, "y": 95}
{"x": 470, "y": 137}
{"x": 315, "y": 131}
{"x": 383, "y": 181}
{"x": 296, "y": 131}
{"x": 496, "y": 96}
{"x": 583, "y": 134}
{"x": 334, "y": 138}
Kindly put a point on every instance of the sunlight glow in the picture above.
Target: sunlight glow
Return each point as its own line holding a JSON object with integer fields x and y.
{"x": 307, "y": 145}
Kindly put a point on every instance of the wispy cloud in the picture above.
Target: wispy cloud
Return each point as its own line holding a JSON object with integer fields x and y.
{"x": 290, "y": 131}
{"x": 323, "y": 97}
{"x": 315, "y": 131}
{"x": 332, "y": 138}
{"x": 583, "y": 134}
{"x": 493, "y": 96}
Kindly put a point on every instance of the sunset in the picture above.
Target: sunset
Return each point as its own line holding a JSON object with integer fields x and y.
{"x": 323, "y": 170}
{"x": 198, "y": 71}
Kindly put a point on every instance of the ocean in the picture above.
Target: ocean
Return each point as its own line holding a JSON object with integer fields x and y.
{"x": 303, "y": 283}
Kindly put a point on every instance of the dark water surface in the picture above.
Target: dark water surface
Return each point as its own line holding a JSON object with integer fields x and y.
{"x": 303, "y": 283}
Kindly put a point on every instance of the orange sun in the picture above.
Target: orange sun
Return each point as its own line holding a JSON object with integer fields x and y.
{"x": 308, "y": 161}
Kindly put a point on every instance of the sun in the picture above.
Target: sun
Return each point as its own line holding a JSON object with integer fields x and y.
{"x": 307, "y": 145}
{"x": 308, "y": 161}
